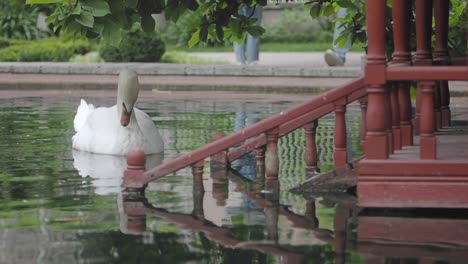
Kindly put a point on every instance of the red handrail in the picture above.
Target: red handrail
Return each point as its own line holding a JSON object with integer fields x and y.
{"x": 289, "y": 120}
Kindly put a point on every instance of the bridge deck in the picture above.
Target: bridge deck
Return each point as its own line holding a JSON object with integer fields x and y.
{"x": 404, "y": 180}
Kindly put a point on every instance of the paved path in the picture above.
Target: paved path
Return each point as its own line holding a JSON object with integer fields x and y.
{"x": 314, "y": 59}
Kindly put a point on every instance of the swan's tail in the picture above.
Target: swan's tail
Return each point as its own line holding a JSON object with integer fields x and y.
{"x": 82, "y": 113}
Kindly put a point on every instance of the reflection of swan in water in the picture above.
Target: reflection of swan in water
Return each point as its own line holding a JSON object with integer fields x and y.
{"x": 106, "y": 170}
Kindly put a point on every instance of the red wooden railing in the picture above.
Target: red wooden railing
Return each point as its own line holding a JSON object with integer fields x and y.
{"x": 264, "y": 133}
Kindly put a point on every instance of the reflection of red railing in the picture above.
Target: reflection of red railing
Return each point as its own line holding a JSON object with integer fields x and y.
{"x": 266, "y": 133}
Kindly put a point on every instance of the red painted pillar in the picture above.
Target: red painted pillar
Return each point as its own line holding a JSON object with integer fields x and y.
{"x": 428, "y": 146}
{"x": 405, "y": 113}
{"x": 437, "y": 112}
{"x": 133, "y": 180}
{"x": 271, "y": 157}
{"x": 441, "y": 55}
{"x": 376, "y": 140}
{"x": 395, "y": 115}
{"x": 363, "y": 105}
{"x": 401, "y": 11}
{"x": 340, "y": 155}
{"x": 423, "y": 56}
{"x": 389, "y": 118}
{"x": 310, "y": 130}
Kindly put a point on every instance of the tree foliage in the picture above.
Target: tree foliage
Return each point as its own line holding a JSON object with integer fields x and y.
{"x": 106, "y": 18}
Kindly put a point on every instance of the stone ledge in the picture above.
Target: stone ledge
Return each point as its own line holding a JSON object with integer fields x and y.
{"x": 177, "y": 69}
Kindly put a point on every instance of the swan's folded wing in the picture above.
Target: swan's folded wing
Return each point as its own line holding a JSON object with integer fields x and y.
{"x": 82, "y": 114}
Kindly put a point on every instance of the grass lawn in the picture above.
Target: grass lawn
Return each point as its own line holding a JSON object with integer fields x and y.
{"x": 264, "y": 47}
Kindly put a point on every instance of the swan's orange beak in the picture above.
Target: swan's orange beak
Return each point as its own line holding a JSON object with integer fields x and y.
{"x": 125, "y": 117}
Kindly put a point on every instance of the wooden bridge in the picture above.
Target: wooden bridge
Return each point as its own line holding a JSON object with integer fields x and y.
{"x": 410, "y": 160}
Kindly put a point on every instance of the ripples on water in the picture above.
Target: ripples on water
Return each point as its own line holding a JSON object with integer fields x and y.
{"x": 60, "y": 205}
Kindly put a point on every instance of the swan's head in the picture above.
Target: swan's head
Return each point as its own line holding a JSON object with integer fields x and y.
{"x": 127, "y": 94}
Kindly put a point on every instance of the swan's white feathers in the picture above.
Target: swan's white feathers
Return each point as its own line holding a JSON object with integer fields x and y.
{"x": 84, "y": 110}
{"x": 103, "y": 134}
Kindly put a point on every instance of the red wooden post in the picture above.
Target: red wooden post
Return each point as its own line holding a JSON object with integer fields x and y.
{"x": 389, "y": 118}
{"x": 363, "y": 105}
{"x": 441, "y": 13}
{"x": 423, "y": 56}
{"x": 271, "y": 157}
{"x": 395, "y": 115}
{"x": 428, "y": 146}
{"x": 437, "y": 112}
{"x": 310, "y": 130}
{"x": 405, "y": 113}
{"x": 340, "y": 155}
{"x": 198, "y": 191}
{"x": 376, "y": 139}
{"x": 133, "y": 180}
{"x": 401, "y": 11}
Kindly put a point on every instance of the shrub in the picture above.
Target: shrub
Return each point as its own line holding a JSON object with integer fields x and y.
{"x": 44, "y": 50}
{"x": 135, "y": 46}
{"x": 296, "y": 25}
{"x": 19, "y": 21}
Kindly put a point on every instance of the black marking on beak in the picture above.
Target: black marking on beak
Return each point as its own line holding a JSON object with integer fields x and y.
{"x": 126, "y": 109}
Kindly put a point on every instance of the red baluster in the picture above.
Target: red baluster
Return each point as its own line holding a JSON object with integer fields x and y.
{"x": 389, "y": 118}
{"x": 423, "y": 56}
{"x": 133, "y": 180}
{"x": 428, "y": 147}
{"x": 363, "y": 105}
{"x": 395, "y": 116}
{"x": 340, "y": 155}
{"x": 441, "y": 54}
{"x": 405, "y": 113}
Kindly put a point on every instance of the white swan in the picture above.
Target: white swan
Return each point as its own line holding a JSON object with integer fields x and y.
{"x": 117, "y": 129}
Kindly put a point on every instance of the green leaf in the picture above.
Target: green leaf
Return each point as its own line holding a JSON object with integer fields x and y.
{"x": 255, "y": 31}
{"x": 98, "y": 8}
{"x": 194, "y": 39}
{"x": 50, "y": 19}
{"x": 130, "y": 3}
{"x": 328, "y": 10}
{"x": 86, "y": 19}
{"x": 111, "y": 32}
{"x": 147, "y": 24}
{"x": 315, "y": 9}
{"x": 219, "y": 32}
{"x": 346, "y": 4}
{"x": 204, "y": 33}
{"x": 36, "y": 2}
{"x": 76, "y": 10}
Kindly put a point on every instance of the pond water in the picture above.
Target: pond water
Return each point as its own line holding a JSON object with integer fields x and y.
{"x": 64, "y": 206}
